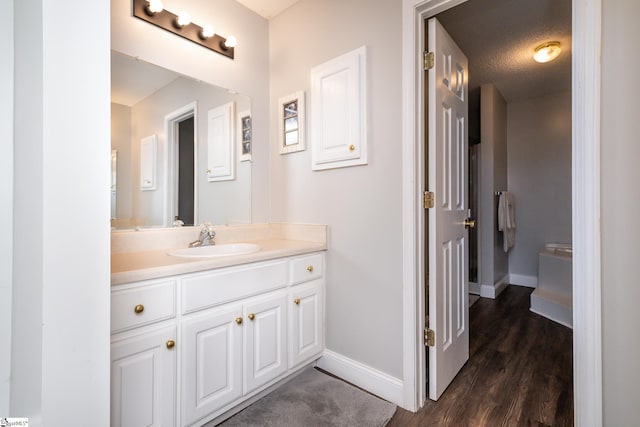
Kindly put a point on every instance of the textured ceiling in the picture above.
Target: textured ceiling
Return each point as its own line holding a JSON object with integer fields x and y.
{"x": 499, "y": 38}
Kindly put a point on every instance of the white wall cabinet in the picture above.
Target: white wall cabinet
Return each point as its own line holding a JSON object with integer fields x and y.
{"x": 239, "y": 330}
{"x": 221, "y": 143}
{"x": 338, "y": 103}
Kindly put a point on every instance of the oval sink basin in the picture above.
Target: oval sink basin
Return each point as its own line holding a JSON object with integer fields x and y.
{"x": 216, "y": 250}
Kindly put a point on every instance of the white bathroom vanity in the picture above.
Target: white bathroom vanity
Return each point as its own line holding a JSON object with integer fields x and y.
{"x": 197, "y": 339}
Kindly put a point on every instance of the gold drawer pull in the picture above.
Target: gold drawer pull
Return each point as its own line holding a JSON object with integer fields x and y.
{"x": 296, "y": 301}
{"x": 310, "y": 269}
{"x": 352, "y": 147}
{"x": 251, "y": 316}
{"x": 138, "y": 308}
{"x": 239, "y": 320}
{"x": 171, "y": 344}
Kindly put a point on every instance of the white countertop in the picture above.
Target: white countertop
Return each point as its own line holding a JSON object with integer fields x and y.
{"x": 129, "y": 267}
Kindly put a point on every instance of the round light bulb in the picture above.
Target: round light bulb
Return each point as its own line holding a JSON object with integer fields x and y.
{"x": 208, "y": 31}
{"x": 547, "y": 52}
{"x": 184, "y": 19}
{"x": 155, "y": 6}
{"x": 231, "y": 42}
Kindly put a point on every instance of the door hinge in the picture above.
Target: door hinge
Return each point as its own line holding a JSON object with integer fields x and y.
{"x": 428, "y": 199}
{"x": 429, "y": 337}
{"x": 428, "y": 59}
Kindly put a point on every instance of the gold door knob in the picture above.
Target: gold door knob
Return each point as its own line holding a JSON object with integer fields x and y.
{"x": 469, "y": 223}
{"x": 310, "y": 269}
{"x": 251, "y": 316}
{"x": 352, "y": 147}
{"x": 138, "y": 308}
{"x": 171, "y": 344}
{"x": 239, "y": 320}
{"x": 296, "y": 301}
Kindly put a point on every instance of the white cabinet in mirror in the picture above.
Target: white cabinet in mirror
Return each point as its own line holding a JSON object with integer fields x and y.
{"x": 154, "y": 186}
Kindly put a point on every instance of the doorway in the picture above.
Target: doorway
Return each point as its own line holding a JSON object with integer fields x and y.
{"x": 181, "y": 153}
{"x": 586, "y": 74}
{"x": 185, "y": 174}
{"x": 503, "y": 71}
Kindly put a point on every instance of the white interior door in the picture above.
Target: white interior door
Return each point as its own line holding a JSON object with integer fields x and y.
{"x": 447, "y": 179}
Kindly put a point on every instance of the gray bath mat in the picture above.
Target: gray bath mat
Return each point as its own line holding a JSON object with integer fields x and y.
{"x": 314, "y": 399}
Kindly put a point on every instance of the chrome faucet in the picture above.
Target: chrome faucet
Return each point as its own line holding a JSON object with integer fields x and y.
{"x": 206, "y": 236}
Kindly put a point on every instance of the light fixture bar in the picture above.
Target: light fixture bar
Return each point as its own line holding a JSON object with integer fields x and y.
{"x": 167, "y": 21}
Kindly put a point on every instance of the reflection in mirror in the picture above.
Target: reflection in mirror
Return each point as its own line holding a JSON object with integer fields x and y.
{"x": 160, "y": 150}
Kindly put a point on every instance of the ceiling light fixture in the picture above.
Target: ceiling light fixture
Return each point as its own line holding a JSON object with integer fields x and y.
{"x": 547, "y": 52}
{"x": 153, "y": 12}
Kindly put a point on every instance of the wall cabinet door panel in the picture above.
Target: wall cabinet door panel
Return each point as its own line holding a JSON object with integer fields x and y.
{"x": 211, "y": 362}
{"x": 265, "y": 340}
{"x": 143, "y": 380}
{"x": 307, "y": 322}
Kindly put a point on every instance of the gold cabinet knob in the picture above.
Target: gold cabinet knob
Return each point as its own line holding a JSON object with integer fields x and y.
{"x": 138, "y": 308}
{"x": 239, "y": 320}
{"x": 310, "y": 269}
{"x": 352, "y": 147}
{"x": 171, "y": 344}
{"x": 296, "y": 301}
{"x": 469, "y": 223}
{"x": 208, "y": 171}
{"x": 251, "y": 316}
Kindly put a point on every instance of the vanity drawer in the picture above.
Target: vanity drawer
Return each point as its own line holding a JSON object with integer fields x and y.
{"x": 214, "y": 288}
{"x": 142, "y": 305}
{"x": 306, "y": 268}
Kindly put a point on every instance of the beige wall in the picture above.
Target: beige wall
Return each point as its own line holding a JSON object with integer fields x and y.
{"x": 539, "y": 165}
{"x": 493, "y": 177}
{"x": 121, "y": 133}
{"x": 620, "y": 204}
{"x": 362, "y": 205}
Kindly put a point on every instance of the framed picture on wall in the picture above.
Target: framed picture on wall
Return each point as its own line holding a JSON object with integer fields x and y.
{"x": 291, "y": 125}
{"x": 244, "y": 127}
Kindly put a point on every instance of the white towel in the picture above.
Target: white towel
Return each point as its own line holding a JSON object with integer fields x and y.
{"x": 507, "y": 219}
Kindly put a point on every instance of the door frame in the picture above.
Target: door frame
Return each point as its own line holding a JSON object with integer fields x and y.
{"x": 587, "y": 320}
{"x": 171, "y": 122}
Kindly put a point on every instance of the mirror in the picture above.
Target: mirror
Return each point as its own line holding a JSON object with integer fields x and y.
{"x": 165, "y": 146}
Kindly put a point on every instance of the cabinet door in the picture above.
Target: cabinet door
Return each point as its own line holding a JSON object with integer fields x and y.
{"x": 307, "y": 322}
{"x": 143, "y": 380}
{"x": 265, "y": 340}
{"x": 211, "y": 362}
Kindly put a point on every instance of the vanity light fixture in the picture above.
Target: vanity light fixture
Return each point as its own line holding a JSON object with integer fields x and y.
{"x": 547, "y": 52}
{"x": 231, "y": 42}
{"x": 183, "y": 19}
{"x": 153, "y": 12}
{"x": 207, "y": 32}
{"x": 154, "y": 6}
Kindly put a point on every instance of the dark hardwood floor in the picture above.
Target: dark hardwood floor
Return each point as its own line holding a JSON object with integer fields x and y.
{"x": 519, "y": 373}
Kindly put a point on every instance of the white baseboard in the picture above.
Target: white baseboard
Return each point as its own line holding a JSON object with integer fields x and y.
{"x": 474, "y": 288}
{"x": 488, "y": 291}
{"x": 363, "y": 376}
{"x": 522, "y": 280}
